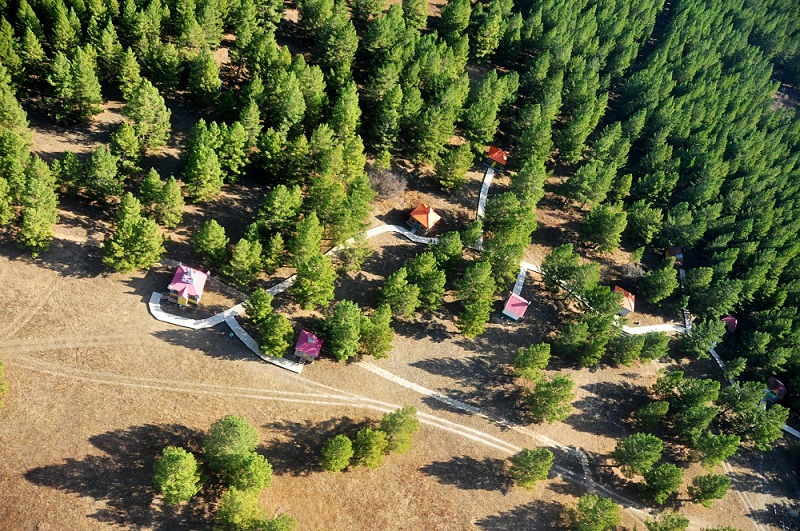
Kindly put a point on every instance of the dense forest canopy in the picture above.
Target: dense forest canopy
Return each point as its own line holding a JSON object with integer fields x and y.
{"x": 658, "y": 120}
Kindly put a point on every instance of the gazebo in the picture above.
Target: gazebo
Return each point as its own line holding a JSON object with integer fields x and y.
{"x": 187, "y": 285}
{"x": 628, "y": 301}
{"x": 308, "y": 346}
{"x": 423, "y": 218}
{"x": 497, "y": 157}
{"x": 515, "y": 307}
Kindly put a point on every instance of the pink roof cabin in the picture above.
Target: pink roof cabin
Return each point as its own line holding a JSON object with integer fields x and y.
{"x": 187, "y": 285}
{"x": 628, "y": 301}
{"x": 497, "y": 157}
{"x": 515, "y": 307}
{"x": 730, "y": 322}
{"x": 308, "y": 346}
{"x": 423, "y": 218}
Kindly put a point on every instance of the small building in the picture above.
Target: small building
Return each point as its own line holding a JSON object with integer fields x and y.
{"x": 730, "y": 322}
{"x": 423, "y": 218}
{"x": 497, "y": 158}
{"x": 628, "y": 301}
{"x": 308, "y": 346}
{"x": 187, "y": 286}
{"x": 677, "y": 252}
{"x": 515, "y": 307}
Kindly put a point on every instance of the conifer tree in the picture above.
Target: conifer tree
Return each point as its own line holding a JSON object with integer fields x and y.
{"x": 245, "y": 262}
{"x": 204, "y": 81}
{"x": 415, "y": 13}
{"x": 203, "y": 173}
{"x": 102, "y": 176}
{"x": 150, "y": 188}
{"x": 76, "y": 90}
{"x": 124, "y": 144}
{"x": 400, "y": 295}
{"x": 476, "y": 291}
{"x": 40, "y": 213}
{"x": 129, "y": 74}
{"x": 137, "y": 242}
{"x": 151, "y": 118}
{"x": 211, "y": 243}
{"x": 307, "y": 241}
{"x": 451, "y": 169}
{"x": 377, "y": 334}
{"x": 343, "y": 329}
{"x": 313, "y": 286}
{"x": 169, "y": 206}
{"x": 423, "y": 271}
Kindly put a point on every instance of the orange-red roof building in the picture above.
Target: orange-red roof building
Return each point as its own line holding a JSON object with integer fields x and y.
{"x": 423, "y": 218}
{"x": 628, "y": 301}
{"x": 497, "y": 156}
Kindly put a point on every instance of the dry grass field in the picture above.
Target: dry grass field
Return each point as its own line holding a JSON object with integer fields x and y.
{"x": 98, "y": 388}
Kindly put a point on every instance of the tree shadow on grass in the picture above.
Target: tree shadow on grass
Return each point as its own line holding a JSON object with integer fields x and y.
{"x": 537, "y": 514}
{"x": 121, "y": 478}
{"x": 296, "y": 447}
{"x": 215, "y": 342}
{"x": 67, "y": 258}
{"x": 468, "y": 473}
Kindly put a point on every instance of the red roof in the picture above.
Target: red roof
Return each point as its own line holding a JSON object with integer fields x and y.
{"x": 731, "y": 322}
{"x": 498, "y": 155}
{"x": 308, "y": 344}
{"x": 188, "y": 282}
{"x": 425, "y": 215}
{"x": 515, "y": 306}
{"x": 628, "y": 298}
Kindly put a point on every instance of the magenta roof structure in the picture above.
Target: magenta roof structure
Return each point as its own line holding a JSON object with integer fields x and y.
{"x": 628, "y": 299}
{"x": 308, "y": 344}
{"x": 188, "y": 282}
{"x": 515, "y": 307}
{"x": 731, "y": 322}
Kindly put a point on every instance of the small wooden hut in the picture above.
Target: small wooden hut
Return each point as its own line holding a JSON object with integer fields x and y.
{"x": 187, "y": 286}
{"x": 423, "y": 218}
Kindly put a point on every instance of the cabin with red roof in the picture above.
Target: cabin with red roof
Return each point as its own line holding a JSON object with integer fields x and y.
{"x": 308, "y": 346}
{"x": 628, "y": 301}
{"x": 186, "y": 286}
{"x": 515, "y": 307}
{"x": 497, "y": 157}
{"x": 423, "y": 218}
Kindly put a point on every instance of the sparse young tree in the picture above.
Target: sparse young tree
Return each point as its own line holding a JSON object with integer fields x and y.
{"x": 211, "y": 243}
{"x": 649, "y": 415}
{"x": 399, "y": 426}
{"x": 369, "y": 446}
{"x": 336, "y": 453}
{"x": 239, "y": 509}
{"x": 40, "y": 204}
{"x": 705, "y": 489}
{"x": 656, "y": 345}
{"x": 176, "y": 475}
{"x": 667, "y": 521}
{"x": 594, "y": 513}
{"x": 530, "y": 466}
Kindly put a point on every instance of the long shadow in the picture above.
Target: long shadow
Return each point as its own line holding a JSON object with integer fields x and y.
{"x": 778, "y": 515}
{"x": 67, "y": 258}
{"x": 468, "y": 473}
{"x": 215, "y": 342}
{"x": 296, "y": 452}
{"x": 603, "y": 411}
{"x": 537, "y": 514}
{"x": 121, "y": 477}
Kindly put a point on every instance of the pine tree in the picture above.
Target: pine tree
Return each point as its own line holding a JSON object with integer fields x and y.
{"x": 211, "y": 243}
{"x": 76, "y": 90}
{"x": 233, "y": 150}
{"x": 169, "y": 206}
{"x": 40, "y": 213}
{"x": 476, "y": 291}
{"x": 129, "y": 76}
{"x": 137, "y": 242}
{"x": 109, "y": 53}
{"x": 455, "y": 19}
{"x": 530, "y": 466}
{"x": 603, "y": 226}
{"x": 124, "y": 144}
{"x": 336, "y": 453}
{"x": 245, "y": 262}
{"x": 415, "y": 13}
{"x": 307, "y": 241}
{"x": 399, "y": 426}
{"x": 423, "y": 271}
{"x": 273, "y": 253}
{"x": 203, "y": 173}
{"x": 346, "y": 113}
{"x": 14, "y": 156}
{"x": 377, "y": 334}
{"x": 401, "y": 296}
{"x": 32, "y": 54}
{"x": 275, "y": 335}
{"x": 343, "y": 329}
{"x": 369, "y": 447}
{"x": 386, "y": 119}
{"x": 150, "y": 188}
{"x": 313, "y": 286}
{"x": 451, "y": 169}
{"x": 204, "y": 81}
{"x": 150, "y": 116}
{"x": 102, "y": 176}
